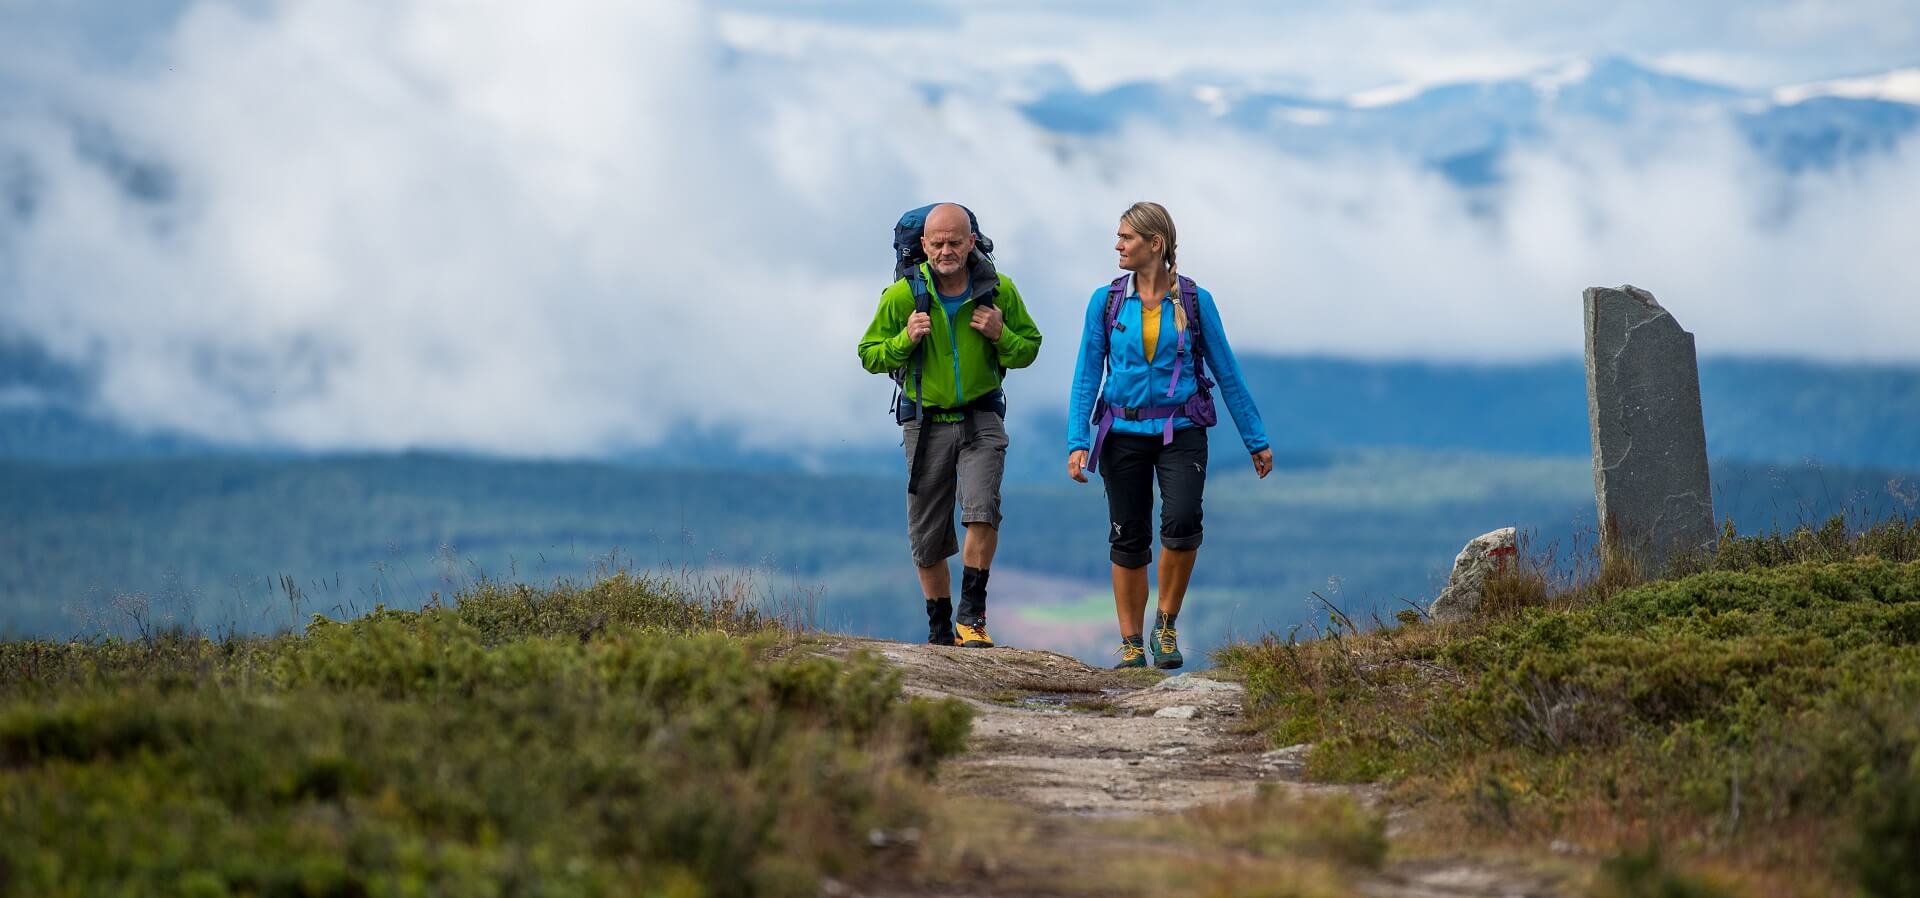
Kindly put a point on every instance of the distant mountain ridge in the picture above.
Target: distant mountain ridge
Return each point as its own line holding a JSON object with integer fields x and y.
{"x": 1757, "y": 410}
{"x": 1463, "y": 129}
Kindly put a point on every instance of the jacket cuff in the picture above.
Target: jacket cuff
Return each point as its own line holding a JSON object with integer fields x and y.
{"x": 901, "y": 346}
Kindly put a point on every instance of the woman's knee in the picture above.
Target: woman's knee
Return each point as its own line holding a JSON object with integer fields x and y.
{"x": 1180, "y": 522}
{"x": 1181, "y": 531}
{"x": 1130, "y": 543}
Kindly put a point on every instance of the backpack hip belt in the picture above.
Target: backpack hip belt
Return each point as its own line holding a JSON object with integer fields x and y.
{"x": 1109, "y": 412}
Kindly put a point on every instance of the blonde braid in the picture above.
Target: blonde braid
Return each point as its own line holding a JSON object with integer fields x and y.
{"x": 1173, "y": 271}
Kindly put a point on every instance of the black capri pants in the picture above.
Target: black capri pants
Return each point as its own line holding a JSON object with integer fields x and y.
{"x": 1129, "y": 465}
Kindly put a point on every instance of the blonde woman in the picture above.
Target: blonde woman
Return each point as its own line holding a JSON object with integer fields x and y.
{"x": 1139, "y": 411}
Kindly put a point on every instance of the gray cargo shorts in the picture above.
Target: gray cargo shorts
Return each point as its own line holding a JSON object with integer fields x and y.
{"x": 965, "y": 460}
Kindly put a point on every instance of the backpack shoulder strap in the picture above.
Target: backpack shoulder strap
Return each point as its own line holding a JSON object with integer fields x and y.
{"x": 922, "y": 297}
{"x": 1190, "y": 301}
{"x": 1116, "y": 293}
{"x": 1190, "y": 298}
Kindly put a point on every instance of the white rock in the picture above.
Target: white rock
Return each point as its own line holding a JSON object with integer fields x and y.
{"x": 1487, "y": 553}
{"x": 1196, "y": 683}
{"x": 1178, "y": 712}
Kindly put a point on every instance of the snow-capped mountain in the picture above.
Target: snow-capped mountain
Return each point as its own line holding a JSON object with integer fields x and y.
{"x": 1464, "y": 128}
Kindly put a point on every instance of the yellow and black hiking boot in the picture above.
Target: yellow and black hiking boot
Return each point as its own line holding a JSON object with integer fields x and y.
{"x": 1132, "y": 653}
{"x": 1166, "y": 648}
{"x": 968, "y": 636}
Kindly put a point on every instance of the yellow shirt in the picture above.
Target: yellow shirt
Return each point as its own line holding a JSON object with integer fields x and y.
{"x": 1150, "y": 330}
{"x": 1150, "y": 325}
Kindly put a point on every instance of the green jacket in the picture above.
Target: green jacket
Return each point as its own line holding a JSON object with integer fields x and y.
{"x": 955, "y": 353}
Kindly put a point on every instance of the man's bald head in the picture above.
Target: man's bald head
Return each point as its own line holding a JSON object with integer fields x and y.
{"x": 948, "y": 216}
{"x": 947, "y": 239}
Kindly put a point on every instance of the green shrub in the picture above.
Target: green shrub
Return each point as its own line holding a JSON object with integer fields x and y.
{"x": 1772, "y": 693}
{"x": 485, "y": 748}
{"x": 1887, "y": 835}
{"x": 1644, "y": 874}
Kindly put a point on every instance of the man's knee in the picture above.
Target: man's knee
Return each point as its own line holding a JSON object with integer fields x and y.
{"x": 983, "y": 516}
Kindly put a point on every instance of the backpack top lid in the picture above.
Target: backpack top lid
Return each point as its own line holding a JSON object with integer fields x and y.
{"x": 907, "y": 251}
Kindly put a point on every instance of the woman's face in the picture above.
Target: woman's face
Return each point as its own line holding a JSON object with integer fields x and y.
{"x": 1137, "y": 253}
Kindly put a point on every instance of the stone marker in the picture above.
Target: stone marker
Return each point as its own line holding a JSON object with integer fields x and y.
{"x": 1487, "y": 553}
{"x": 1649, "y": 442}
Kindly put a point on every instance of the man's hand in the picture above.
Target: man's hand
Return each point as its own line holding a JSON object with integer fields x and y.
{"x": 989, "y": 322}
{"x": 1077, "y": 465}
{"x": 919, "y": 324}
{"x": 1263, "y": 463}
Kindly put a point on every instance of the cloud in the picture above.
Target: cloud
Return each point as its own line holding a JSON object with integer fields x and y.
{"x": 582, "y": 226}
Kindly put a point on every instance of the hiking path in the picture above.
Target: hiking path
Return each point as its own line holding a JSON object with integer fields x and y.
{"x": 1074, "y": 745}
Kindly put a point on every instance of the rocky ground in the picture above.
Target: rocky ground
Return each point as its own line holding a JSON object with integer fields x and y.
{"x": 1073, "y": 743}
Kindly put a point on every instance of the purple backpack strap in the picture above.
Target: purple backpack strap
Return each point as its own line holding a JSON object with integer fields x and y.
{"x": 1190, "y": 299}
{"x": 1100, "y": 436}
{"x": 1116, "y": 293}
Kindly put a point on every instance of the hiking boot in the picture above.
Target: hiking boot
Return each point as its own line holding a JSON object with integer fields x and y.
{"x": 1166, "y": 648}
{"x": 940, "y": 622}
{"x": 1132, "y": 654}
{"x": 971, "y": 637}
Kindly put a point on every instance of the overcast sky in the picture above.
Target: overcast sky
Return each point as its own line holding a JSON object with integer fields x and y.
{"x": 565, "y": 227}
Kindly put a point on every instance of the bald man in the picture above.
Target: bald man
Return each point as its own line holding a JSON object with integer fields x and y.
{"x": 975, "y": 327}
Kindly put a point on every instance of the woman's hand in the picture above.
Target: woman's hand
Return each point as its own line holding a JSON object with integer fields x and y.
{"x": 1263, "y": 463}
{"x": 1077, "y": 465}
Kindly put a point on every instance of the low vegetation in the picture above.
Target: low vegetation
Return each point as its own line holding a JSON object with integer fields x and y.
{"x": 1753, "y": 717}
{"x": 615, "y": 739}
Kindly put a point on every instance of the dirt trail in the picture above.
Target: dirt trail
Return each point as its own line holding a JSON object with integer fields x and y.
{"x": 1054, "y": 735}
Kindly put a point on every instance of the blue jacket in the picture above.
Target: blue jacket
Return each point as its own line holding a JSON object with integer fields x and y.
{"x": 1130, "y": 380}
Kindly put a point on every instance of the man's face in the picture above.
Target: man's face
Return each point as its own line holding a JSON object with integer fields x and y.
{"x": 947, "y": 245}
